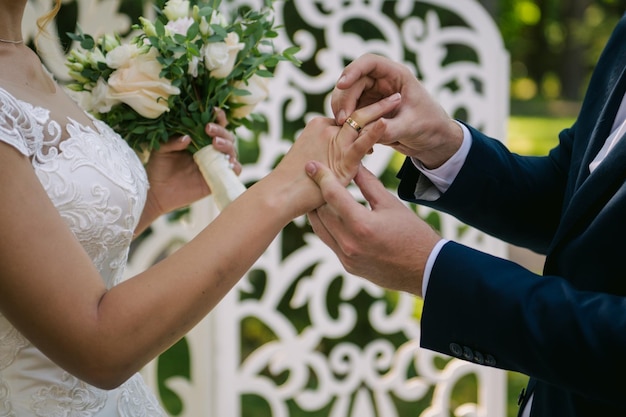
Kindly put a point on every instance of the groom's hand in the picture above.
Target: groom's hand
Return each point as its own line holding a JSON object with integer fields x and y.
{"x": 385, "y": 243}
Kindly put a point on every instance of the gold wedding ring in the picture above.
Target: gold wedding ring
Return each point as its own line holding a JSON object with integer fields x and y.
{"x": 353, "y": 124}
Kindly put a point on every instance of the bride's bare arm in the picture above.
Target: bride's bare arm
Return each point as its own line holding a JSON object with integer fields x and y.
{"x": 52, "y": 293}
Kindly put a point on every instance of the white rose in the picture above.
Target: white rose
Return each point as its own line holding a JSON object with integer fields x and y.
{"x": 227, "y": 57}
{"x": 259, "y": 90}
{"x": 218, "y": 19}
{"x": 97, "y": 100}
{"x": 179, "y": 26}
{"x": 215, "y": 55}
{"x": 101, "y": 101}
{"x": 139, "y": 85}
{"x": 121, "y": 56}
{"x": 205, "y": 25}
{"x": 176, "y": 9}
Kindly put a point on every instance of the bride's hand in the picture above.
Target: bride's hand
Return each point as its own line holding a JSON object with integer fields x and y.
{"x": 339, "y": 147}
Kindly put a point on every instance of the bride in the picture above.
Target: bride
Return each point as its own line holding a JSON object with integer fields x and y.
{"x": 72, "y": 335}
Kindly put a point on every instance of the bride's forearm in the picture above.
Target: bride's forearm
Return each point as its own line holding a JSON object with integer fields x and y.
{"x": 170, "y": 297}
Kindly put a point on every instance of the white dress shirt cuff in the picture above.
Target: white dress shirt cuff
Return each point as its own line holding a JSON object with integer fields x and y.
{"x": 435, "y": 182}
{"x": 430, "y": 262}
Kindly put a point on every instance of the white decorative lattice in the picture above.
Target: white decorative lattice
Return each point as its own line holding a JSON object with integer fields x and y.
{"x": 298, "y": 333}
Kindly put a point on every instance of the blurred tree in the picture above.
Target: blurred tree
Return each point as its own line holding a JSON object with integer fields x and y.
{"x": 491, "y": 6}
{"x": 554, "y": 44}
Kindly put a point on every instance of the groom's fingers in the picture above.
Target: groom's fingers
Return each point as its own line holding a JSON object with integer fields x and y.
{"x": 360, "y": 118}
{"x": 323, "y": 231}
{"x": 372, "y": 188}
{"x": 338, "y": 198}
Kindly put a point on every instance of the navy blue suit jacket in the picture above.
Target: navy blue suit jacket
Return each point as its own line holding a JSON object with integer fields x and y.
{"x": 566, "y": 328}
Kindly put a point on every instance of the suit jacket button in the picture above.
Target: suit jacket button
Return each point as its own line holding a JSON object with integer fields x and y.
{"x": 456, "y": 350}
{"x": 468, "y": 353}
{"x": 490, "y": 360}
{"x": 478, "y": 358}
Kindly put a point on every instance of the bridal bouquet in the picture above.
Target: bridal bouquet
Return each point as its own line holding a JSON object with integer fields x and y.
{"x": 171, "y": 75}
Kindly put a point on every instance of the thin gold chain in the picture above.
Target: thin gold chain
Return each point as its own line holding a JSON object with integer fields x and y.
{"x": 13, "y": 42}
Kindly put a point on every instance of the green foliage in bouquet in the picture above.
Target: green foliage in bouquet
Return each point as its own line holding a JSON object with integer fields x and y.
{"x": 174, "y": 71}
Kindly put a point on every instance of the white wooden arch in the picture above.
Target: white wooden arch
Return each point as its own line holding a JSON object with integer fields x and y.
{"x": 287, "y": 335}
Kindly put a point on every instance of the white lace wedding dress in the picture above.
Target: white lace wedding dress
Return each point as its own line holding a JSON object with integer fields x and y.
{"x": 99, "y": 186}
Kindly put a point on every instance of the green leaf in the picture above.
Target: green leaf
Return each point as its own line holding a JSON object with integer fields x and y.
{"x": 193, "y": 31}
{"x": 206, "y": 117}
{"x": 291, "y": 50}
{"x": 87, "y": 42}
{"x": 188, "y": 122}
{"x": 264, "y": 73}
{"x": 193, "y": 107}
{"x": 240, "y": 92}
{"x": 160, "y": 28}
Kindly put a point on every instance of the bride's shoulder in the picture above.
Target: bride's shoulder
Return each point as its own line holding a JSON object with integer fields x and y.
{"x": 18, "y": 123}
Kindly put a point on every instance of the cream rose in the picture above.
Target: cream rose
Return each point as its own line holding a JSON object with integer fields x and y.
{"x": 138, "y": 84}
{"x": 179, "y": 26}
{"x": 176, "y": 9}
{"x": 219, "y": 57}
{"x": 218, "y": 19}
{"x": 101, "y": 101}
{"x": 95, "y": 101}
{"x": 259, "y": 90}
{"x": 122, "y": 55}
{"x": 215, "y": 55}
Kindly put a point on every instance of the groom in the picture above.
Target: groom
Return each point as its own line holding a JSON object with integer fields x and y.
{"x": 566, "y": 328}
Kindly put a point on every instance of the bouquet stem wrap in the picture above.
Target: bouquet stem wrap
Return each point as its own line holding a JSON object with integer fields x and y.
{"x": 224, "y": 183}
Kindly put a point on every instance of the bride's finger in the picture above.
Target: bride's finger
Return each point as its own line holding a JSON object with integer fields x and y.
{"x": 365, "y": 142}
{"x": 216, "y": 130}
{"x": 177, "y": 143}
{"x": 363, "y": 116}
{"x": 220, "y": 117}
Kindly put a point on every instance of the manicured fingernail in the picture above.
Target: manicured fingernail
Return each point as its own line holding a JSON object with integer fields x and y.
{"x": 310, "y": 168}
{"x": 210, "y": 129}
{"x": 219, "y": 141}
{"x": 341, "y": 116}
{"x": 394, "y": 97}
{"x": 341, "y": 80}
{"x": 184, "y": 138}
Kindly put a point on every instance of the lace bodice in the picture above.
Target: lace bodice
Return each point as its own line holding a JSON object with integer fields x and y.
{"x": 99, "y": 187}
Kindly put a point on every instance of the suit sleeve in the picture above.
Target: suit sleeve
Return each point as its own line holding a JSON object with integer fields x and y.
{"x": 515, "y": 198}
{"x": 494, "y": 312}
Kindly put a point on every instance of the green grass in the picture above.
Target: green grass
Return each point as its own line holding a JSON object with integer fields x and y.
{"x": 529, "y": 135}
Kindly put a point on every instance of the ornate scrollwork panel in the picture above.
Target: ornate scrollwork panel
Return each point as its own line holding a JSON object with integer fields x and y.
{"x": 299, "y": 336}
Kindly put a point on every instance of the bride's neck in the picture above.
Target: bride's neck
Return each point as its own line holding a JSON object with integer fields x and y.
{"x": 11, "y": 14}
